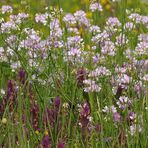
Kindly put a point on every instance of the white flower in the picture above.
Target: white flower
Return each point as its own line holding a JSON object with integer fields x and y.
{"x": 145, "y": 78}
{"x": 105, "y": 109}
{"x": 2, "y": 91}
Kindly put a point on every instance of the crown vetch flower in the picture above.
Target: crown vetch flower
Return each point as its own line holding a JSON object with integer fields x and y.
{"x": 96, "y": 7}
{"x": 6, "y": 9}
{"x": 116, "y": 117}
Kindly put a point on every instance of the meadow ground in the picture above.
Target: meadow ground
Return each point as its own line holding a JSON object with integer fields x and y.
{"x": 74, "y": 74}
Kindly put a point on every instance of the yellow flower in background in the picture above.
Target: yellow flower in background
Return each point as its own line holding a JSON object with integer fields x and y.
{"x": 108, "y": 7}
{"x": 37, "y": 132}
{"x": 4, "y": 120}
{"x": 89, "y": 14}
{"x": 46, "y": 132}
{"x": 88, "y": 46}
{"x": 104, "y": 2}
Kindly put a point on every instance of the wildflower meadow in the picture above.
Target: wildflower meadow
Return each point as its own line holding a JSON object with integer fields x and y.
{"x": 74, "y": 74}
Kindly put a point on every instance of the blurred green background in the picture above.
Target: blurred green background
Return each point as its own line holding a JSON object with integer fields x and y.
{"x": 39, "y": 5}
{"x": 35, "y": 6}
